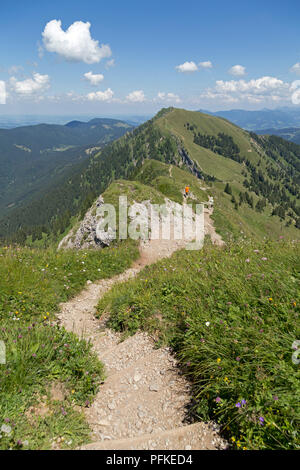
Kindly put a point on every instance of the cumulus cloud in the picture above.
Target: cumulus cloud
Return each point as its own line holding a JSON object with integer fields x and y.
{"x": 237, "y": 70}
{"x": 106, "y": 95}
{"x": 258, "y": 90}
{"x": 296, "y": 68}
{"x": 136, "y": 96}
{"x": 167, "y": 97}
{"x": 187, "y": 67}
{"x": 75, "y": 44}
{"x": 206, "y": 64}
{"x": 260, "y": 85}
{"x": 94, "y": 79}
{"x": 37, "y": 84}
{"x": 2, "y": 92}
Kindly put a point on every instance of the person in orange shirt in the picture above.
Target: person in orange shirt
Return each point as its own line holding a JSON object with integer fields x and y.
{"x": 187, "y": 190}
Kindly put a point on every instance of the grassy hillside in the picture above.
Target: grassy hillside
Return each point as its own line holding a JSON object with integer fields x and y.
{"x": 40, "y": 354}
{"x": 231, "y": 315}
{"x": 261, "y": 164}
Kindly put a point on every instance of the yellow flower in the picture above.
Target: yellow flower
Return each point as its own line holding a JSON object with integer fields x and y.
{"x": 238, "y": 444}
{"x": 45, "y": 318}
{"x": 270, "y": 299}
{"x": 294, "y": 303}
{"x": 48, "y": 314}
{"x": 233, "y": 439}
{"x": 17, "y": 312}
{"x": 226, "y": 379}
{"x": 73, "y": 391}
{"x": 244, "y": 448}
{"x": 218, "y": 360}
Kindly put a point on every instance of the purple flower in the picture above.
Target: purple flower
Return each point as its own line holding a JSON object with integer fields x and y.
{"x": 275, "y": 397}
{"x": 218, "y": 399}
{"x": 243, "y": 402}
{"x": 238, "y": 405}
{"x": 63, "y": 411}
{"x": 237, "y": 358}
{"x": 262, "y": 420}
{"x": 264, "y": 258}
{"x": 247, "y": 260}
{"x": 33, "y": 355}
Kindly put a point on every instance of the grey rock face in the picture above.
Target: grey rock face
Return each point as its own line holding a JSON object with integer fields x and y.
{"x": 87, "y": 235}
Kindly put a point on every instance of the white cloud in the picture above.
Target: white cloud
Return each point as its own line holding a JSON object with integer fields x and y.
{"x": 94, "y": 79}
{"x": 136, "y": 96}
{"x": 187, "y": 67}
{"x": 296, "y": 68}
{"x": 260, "y": 85}
{"x": 237, "y": 70}
{"x": 75, "y": 44}
{"x": 2, "y": 92}
{"x": 167, "y": 97}
{"x": 262, "y": 90}
{"x": 30, "y": 86}
{"x": 106, "y": 95}
{"x": 110, "y": 63}
{"x": 206, "y": 64}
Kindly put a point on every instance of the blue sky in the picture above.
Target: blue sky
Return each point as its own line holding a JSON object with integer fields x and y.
{"x": 198, "y": 55}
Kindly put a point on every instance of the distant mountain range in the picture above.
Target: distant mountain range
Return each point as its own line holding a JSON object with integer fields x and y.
{"x": 33, "y": 156}
{"x": 255, "y": 181}
{"x": 262, "y": 119}
{"x": 290, "y": 133}
{"x": 12, "y": 121}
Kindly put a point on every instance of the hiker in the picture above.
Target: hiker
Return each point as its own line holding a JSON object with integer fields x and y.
{"x": 186, "y": 191}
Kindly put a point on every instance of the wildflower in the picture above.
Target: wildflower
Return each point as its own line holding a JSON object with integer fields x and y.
{"x": 238, "y": 358}
{"x": 63, "y": 412}
{"x": 275, "y": 397}
{"x": 243, "y": 402}
{"x": 233, "y": 439}
{"x": 218, "y": 399}
{"x": 262, "y": 420}
{"x": 33, "y": 355}
{"x": 264, "y": 258}
{"x": 238, "y": 405}
{"x": 73, "y": 391}
{"x": 226, "y": 379}
{"x": 238, "y": 444}
{"x": 247, "y": 260}
{"x": 6, "y": 428}
{"x": 207, "y": 323}
{"x": 219, "y": 359}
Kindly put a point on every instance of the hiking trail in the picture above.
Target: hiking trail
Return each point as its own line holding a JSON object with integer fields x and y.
{"x": 144, "y": 400}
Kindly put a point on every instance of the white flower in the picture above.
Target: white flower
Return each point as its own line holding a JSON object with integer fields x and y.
{"x": 207, "y": 323}
{"x": 6, "y": 428}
